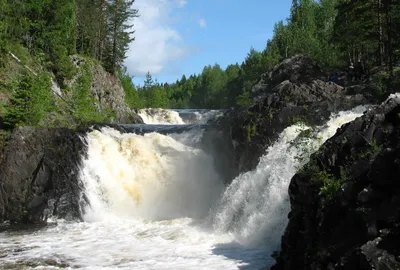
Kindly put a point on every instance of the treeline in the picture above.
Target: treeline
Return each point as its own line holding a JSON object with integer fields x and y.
{"x": 334, "y": 33}
{"x": 40, "y": 36}
{"x": 54, "y": 29}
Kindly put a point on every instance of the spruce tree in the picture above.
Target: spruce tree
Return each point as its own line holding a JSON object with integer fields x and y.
{"x": 120, "y": 32}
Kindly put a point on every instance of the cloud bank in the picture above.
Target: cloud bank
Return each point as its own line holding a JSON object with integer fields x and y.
{"x": 157, "y": 41}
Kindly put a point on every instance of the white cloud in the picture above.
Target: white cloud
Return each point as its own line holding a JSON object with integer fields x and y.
{"x": 157, "y": 43}
{"x": 182, "y": 3}
{"x": 202, "y": 22}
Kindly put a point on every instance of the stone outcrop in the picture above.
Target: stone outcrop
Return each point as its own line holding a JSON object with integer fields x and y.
{"x": 345, "y": 203}
{"x": 290, "y": 93}
{"x": 297, "y": 69}
{"x": 39, "y": 175}
{"x": 108, "y": 92}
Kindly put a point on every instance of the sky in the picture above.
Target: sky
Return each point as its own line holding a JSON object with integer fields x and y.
{"x": 180, "y": 37}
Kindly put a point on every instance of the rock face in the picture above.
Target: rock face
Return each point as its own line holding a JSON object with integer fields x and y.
{"x": 290, "y": 93}
{"x": 39, "y": 175}
{"x": 108, "y": 91}
{"x": 297, "y": 69}
{"x": 345, "y": 203}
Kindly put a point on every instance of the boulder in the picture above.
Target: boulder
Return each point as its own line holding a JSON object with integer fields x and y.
{"x": 39, "y": 175}
{"x": 345, "y": 202}
{"x": 297, "y": 69}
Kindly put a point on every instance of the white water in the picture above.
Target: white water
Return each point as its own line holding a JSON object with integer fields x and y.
{"x": 152, "y": 176}
{"x": 255, "y": 206}
{"x": 160, "y": 116}
{"x": 154, "y": 116}
{"x": 153, "y": 197}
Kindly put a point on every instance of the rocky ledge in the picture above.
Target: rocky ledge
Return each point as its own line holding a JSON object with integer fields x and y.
{"x": 39, "y": 175}
{"x": 345, "y": 203}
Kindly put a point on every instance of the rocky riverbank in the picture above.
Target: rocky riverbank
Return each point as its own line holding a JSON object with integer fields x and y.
{"x": 345, "y": 202}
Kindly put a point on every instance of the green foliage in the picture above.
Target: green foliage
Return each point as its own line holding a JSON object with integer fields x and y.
{"x": 245, "y": 99}
{"x": 372, "y": 150}
{"x": 132, "y": 98}
{"x": 56, "y": 29}
{"x": 31, "y": 100}
{"x": 120, "y": 12}
{"x": 330, "y": 184}
{"x": 83, "y": 104}
{"x": 4, "y": 136}
{"x": 251, "y": 131}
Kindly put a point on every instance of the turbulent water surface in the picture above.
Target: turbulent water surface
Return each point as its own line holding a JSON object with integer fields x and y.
{"x": 156, "y": 202}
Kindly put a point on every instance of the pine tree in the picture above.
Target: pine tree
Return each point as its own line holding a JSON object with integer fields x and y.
{"x": 31, "y": 100}
{"x": 120, "y": 31}
{"x": 148, "y": 82}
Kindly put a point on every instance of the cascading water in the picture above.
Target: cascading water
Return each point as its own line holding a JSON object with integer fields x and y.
{"x": 255, "y": 205}
{"x": 156, "y": 202}
{"x": 151, "y": 176}
{"x": 160, "y": 116}
{"x": 155, "y": 116}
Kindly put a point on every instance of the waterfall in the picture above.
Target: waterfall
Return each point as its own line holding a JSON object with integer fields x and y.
{"x": 157, "y": 202}
{"x": 151, "y": 176}
{"x": 155, "y": 116}
{"x": 255, "y": 205}
{"x": 160, "y": 116}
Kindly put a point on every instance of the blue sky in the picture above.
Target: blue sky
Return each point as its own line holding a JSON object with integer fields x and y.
{"x": 176, "y": 37}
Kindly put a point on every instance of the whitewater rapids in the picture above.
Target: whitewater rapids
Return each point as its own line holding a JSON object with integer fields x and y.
{"x": 158, "y": 116}
{"x": 156, "y": 202}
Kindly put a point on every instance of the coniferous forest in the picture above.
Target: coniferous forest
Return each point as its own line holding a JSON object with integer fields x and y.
{"x": 334, "y": 33}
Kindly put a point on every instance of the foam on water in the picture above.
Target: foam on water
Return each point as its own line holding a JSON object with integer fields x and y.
{"x": 160, "y": 116}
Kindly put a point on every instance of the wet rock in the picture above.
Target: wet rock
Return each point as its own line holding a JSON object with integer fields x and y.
{"x": 357, "y": 226}
{"x": 365, "y": 195}
{"x": 39, "y": 175}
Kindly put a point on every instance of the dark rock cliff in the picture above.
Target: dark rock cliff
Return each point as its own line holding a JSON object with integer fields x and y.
{"x": 39, "y": 175}
{"x": 345, "y": 203}
{"x": 290, "y": 93}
